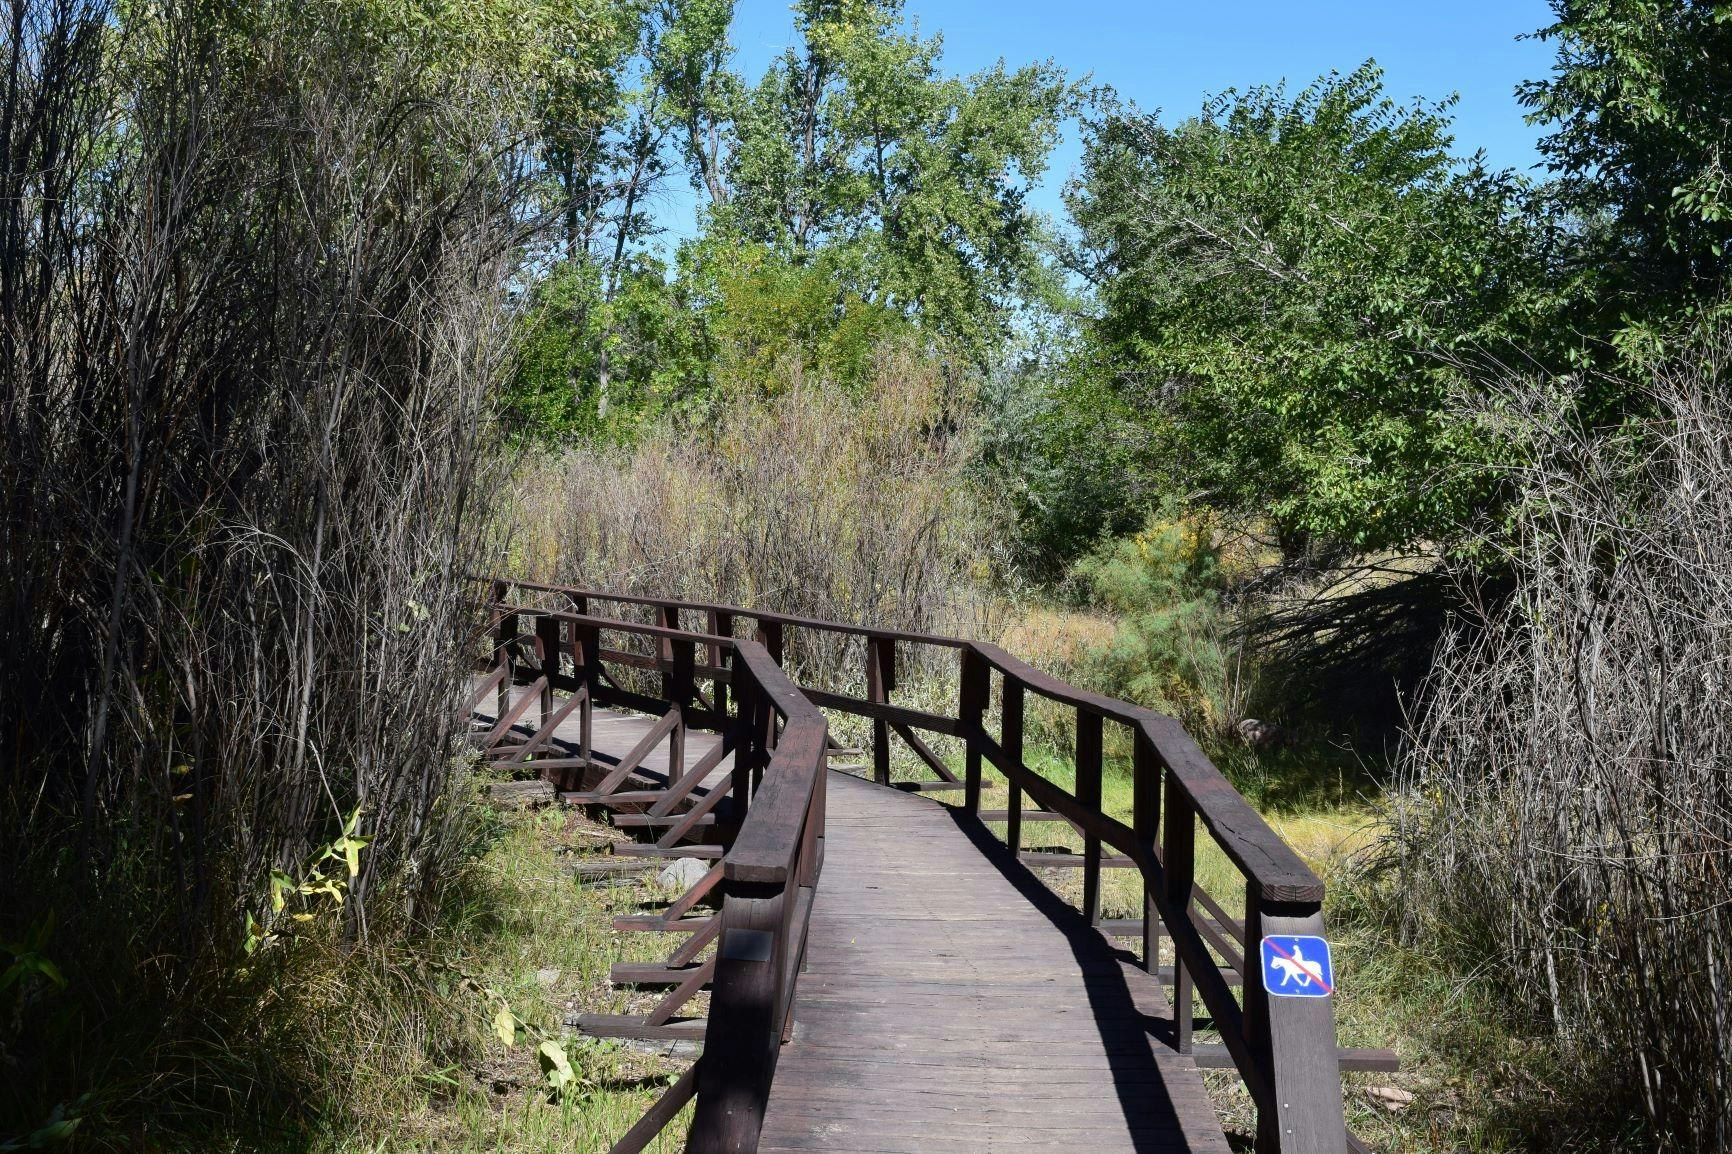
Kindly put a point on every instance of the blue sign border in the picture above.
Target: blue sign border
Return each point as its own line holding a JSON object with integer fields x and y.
{"x": 1308, "y": 949}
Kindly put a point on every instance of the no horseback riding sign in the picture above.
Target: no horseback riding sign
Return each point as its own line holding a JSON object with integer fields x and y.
{"x": 1297, "y": 966}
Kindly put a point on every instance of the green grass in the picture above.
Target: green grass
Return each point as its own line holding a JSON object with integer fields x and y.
{"x": 530, "y": 917}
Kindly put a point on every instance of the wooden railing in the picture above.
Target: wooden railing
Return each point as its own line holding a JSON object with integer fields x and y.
{"x": 774, "y": 836}
{"x": 1284, "y": 1049}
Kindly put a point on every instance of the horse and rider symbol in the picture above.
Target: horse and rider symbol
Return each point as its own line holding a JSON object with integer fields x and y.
{"x": 1297, "y": 966}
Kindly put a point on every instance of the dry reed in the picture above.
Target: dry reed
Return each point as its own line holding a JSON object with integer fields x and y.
{"x": 252, "y": 271}
{"x": 1566, "y": 815}
{"x": 808, "y": 502}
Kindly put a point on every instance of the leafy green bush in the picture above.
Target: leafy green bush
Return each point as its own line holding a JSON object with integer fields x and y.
{"x": 1174, "y": 647}
{"x": 1292, "y": 293}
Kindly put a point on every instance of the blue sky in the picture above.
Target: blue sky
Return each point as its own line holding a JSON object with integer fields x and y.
{"x": 1170, "y": 55}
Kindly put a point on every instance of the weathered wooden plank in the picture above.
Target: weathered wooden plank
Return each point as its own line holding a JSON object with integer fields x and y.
{"x": 659, "y": 924}
{"x": 947, "y": 998}
{"x": 632, "y": 1026}
{"x": 878, "y": 710}
{"x": 651, "y": 821}
{"x": 633, "y": 849}
{"x": 649, "y": 974}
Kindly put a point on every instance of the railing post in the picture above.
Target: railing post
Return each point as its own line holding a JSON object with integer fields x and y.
{"x": 668, "y": 617}
{"x": 743, "y": 1035}
{"x": 1178, "y": 847}
{"x": 1010, "y": 738}
{"x": 547, "y": 653}
{"x": 820, "y": 804}
{"x": 586, "y": 651}
{"x": 764, "y": 723}
{"x": 975, "y": 691}
{"x": 1088, "y": 792}
{"x": 770, "y": 637}
{"x": 747, "y": 702}
{"x": 1292, "y": 1040}
{"x": 1256, "y": 1018}
{"x": 1146, "y": 824}
{"x": 880, "y": 680}
{"x": 720, "y": 625}
{"x": 507, "y": 632}
{"x": 680, "y": 680}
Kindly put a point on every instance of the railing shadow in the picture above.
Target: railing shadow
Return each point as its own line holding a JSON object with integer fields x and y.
{"x": 1128, "y": 1034}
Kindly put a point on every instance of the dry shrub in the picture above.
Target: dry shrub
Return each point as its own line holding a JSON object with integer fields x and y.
{"x": 253, "y": 308}
{"x": 1567, "y": 809}
{"x": 808, "y": 502}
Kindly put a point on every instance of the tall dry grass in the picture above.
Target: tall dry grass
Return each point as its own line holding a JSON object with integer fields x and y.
{"x": 807, "y": 502}
{"x": 252, "y": 272}
{"x": 1564, "y": 827}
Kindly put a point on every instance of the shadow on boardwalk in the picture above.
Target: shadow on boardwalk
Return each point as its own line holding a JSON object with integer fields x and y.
{"x": 953, "y": 1002}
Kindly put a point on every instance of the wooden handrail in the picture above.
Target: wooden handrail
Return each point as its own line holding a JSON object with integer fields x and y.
{"x": 1242, "y": 833}
{"x": 1284, "y": 1048}
{"x": 786, "y": 619}
{"x": 1244, "y": 836}
{"x": 769, "y": 871}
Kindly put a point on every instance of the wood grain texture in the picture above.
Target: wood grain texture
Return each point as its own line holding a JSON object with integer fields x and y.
{"x": 950, "y": 1002}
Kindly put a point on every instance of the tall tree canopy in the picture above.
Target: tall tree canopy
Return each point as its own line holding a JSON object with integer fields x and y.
{"x": 1288, "y": 292}
{"x": 851, "y": 192}
{"x": 855, "y": 137}
{"x": 1640, "y": 104}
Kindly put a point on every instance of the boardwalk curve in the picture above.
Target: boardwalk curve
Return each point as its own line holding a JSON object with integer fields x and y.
{"x": 951, "y": 1003}
{"x": 885, "y": 975}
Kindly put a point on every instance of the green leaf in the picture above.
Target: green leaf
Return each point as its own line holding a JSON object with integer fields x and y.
{"x": 505, "y": 1025}
{"x": 281, "y": 885}
{"x": 54, "y": 1133}
{"x": 555, "y": 1065}
{"x": 50, "y": 971}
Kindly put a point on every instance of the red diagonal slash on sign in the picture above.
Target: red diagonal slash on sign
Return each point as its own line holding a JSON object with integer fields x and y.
{"x": 1316, "y": 975}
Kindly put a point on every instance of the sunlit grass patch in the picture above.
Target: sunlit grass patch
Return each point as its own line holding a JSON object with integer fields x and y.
{"x": 537, "y": 940}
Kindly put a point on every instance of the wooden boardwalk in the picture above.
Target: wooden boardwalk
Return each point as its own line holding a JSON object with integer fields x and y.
{"x": 884, "y": 974}
{"x": 952, "y": 1002}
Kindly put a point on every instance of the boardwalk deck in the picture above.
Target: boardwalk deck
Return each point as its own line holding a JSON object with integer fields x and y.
{"x": 947, "y": 998}
{"x": 952, "y": 1002}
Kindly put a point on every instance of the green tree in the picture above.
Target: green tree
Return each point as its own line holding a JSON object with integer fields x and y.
{"x": 636, "y": 328}
{"x": 855, "y": 139}
{"x": 768, "y": 318}
{"x": 601, "y": 325}
{"x": 1290, "y": 292}
{"x": 853, "y": 195}
{"x": 1641, "y": 103}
